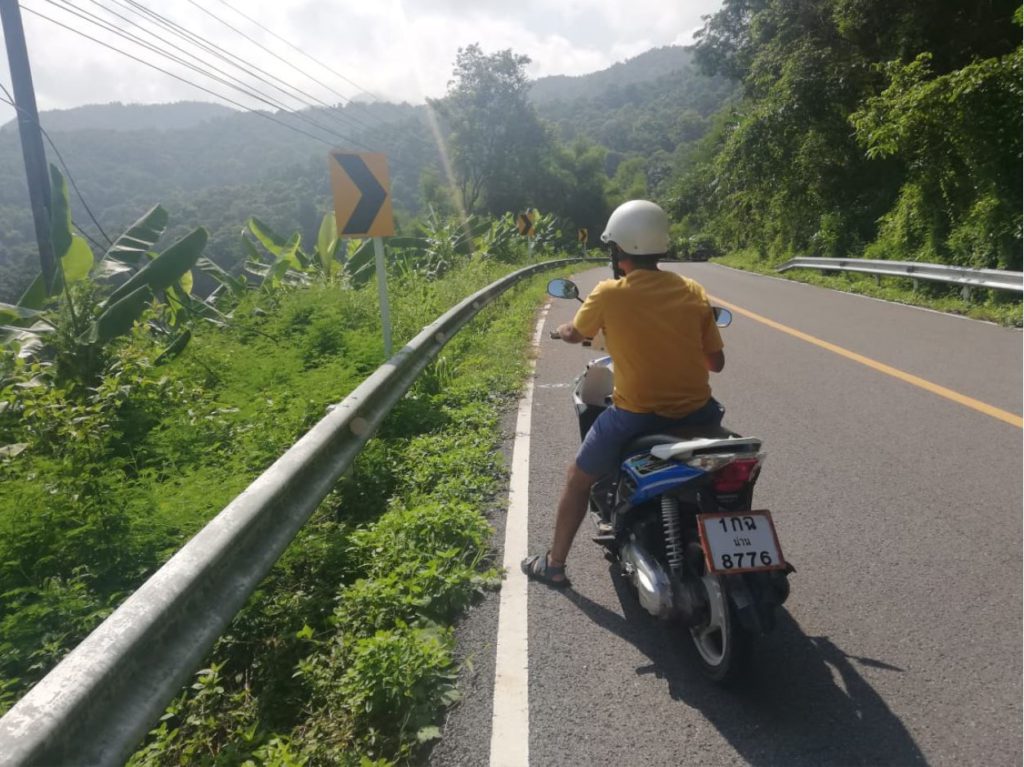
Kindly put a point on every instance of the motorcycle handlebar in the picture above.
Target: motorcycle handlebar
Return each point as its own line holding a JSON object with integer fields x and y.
{"x": 556, "y": 336}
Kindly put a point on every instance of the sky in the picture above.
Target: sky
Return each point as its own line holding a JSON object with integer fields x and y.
{"x": 396, "y": 50}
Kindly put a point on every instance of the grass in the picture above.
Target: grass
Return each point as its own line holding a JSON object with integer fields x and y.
{"x": 344, "y": 655}
{"x": 990, "y": 305}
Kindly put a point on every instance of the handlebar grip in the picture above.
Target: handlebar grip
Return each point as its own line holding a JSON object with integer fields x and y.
{"x": 555, "y": 335}
{"x": 586, "y": 342}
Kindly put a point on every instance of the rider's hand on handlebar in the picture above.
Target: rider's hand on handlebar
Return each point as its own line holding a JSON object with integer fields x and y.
{"x": 557, "y": 336}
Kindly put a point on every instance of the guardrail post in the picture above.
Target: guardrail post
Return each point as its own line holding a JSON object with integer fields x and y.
{"x": 965, "y": 293}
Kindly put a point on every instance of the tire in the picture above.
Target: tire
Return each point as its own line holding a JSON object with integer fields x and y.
{"x": 723, "y": 647}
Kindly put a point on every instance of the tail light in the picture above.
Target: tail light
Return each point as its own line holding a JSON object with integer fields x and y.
{"x": 730, "y": 472}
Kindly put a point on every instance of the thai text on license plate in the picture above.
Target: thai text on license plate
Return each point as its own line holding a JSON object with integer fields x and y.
{"x": 740, "y": 542}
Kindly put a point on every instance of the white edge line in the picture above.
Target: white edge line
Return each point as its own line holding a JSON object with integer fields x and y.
{"x": 510, "y": 719}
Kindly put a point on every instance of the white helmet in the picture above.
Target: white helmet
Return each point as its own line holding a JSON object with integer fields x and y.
{"x": 639, "y": 227}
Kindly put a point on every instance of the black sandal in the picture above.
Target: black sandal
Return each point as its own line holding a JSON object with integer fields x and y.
{"x": 537, "y": 568}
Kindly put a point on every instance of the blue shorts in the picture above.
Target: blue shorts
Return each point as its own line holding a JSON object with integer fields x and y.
{"x": 601, "y": 451}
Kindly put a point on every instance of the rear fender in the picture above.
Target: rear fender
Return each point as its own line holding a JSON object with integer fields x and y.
{"x": 744, "y": 605}
{"x": 754, "y": 599}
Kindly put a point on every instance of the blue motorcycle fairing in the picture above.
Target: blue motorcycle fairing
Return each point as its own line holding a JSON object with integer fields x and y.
{"x": 653, "y": 476}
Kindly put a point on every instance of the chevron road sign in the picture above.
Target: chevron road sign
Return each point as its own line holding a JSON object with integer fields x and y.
{"x": 362, "y": 208}
{"x": 524, "y": 223}
{"x": 362, "y": 196}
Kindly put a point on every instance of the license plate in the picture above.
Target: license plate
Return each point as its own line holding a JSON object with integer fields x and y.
{"x": 741, "y": 542}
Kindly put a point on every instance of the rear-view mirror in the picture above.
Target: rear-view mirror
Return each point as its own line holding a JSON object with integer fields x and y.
{"x": 723, "y": 317}
{"x": 563, "y": 289}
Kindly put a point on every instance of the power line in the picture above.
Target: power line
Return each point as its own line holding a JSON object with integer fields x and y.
{"x": 289, "y": 63}
{"x": 220, "y": 96}
{"x": 244, "y": 88}
{"x": 67, "y": 171}
{"x": 299, "y": 50}
{"x": 235, "y": 82}
{"x": 85, "y": 234}
{"x": 183, "y": 34}
{"x": 259, "y": 45}
{"x": 231, "y": 58}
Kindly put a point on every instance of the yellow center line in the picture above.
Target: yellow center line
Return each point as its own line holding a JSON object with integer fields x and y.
{"x": 1011, "y": 418}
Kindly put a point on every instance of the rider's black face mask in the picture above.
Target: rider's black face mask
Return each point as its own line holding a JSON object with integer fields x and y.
{"x": 614, "y": 251}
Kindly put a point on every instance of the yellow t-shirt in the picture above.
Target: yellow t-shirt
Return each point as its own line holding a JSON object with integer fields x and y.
{"x": 658, "y": 326}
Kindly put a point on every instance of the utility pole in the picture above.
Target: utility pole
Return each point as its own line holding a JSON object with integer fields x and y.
{"x": 31, "y": 136}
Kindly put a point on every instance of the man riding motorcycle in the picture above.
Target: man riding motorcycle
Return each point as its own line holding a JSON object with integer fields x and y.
{"x": 660, "y": 332}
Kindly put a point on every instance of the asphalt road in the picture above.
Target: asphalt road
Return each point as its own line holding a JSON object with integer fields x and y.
{"x": 901, "y": 509}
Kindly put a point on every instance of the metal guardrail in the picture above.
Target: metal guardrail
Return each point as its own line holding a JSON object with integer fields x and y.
{"x": 100, "y": 701}
{"x": 994, "y": 279}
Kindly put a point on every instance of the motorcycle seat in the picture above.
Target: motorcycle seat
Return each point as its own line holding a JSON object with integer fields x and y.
{"x": 644, "y": 443}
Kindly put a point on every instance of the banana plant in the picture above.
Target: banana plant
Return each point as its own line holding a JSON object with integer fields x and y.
{"x": 73, "y": 255}
{"x": 501, "y": 240}
{"x": 236, "y": 286}
{"x": 151, "y": 276}
{"x": 332, "y": 256}
{"x": 286, "y": 266}
{"x": 327, "y": 243}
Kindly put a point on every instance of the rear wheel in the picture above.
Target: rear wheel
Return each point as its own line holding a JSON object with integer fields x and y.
{"x": 723, "y": 646}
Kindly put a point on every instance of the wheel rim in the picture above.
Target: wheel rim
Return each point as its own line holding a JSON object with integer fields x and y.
{"x": 712, "y": 638}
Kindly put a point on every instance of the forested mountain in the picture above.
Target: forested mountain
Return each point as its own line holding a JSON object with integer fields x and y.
{"x": 651, "y": 65}
{"x": 213, "y": 166}
{"x": 121, "y": 117}
{"x": 644, "y": 119}
{"x": 216, "y": 173}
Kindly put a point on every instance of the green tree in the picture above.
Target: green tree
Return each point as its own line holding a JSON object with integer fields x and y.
{"x": 959, "y": 136}
{"x": 783, "y": 172}
{"x": 629, "y": 181}
{"x": 572, "y": 185}
{"x": 496, "y": 138}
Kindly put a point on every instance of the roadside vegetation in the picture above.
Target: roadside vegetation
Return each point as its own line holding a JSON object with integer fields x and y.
{"x": 116, "y": 448}
{"x": 989, "y": 305}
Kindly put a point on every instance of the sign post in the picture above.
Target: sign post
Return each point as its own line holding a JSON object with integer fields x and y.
{"x": 382, "y": 293}
{"x": 362, "y": 208}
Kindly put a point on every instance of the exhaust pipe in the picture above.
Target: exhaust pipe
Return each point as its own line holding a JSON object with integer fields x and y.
{"x": 649, "y": 578}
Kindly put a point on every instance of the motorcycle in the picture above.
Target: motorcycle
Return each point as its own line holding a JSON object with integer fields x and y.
{"x": 677, "y": 516}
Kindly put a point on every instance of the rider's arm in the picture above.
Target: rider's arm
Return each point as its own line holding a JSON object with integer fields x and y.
{"x": 570, "y": 334}
{"x": 711, "y": 341}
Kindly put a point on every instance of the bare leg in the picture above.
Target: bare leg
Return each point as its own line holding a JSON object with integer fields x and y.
{"x": 572, "y": 508}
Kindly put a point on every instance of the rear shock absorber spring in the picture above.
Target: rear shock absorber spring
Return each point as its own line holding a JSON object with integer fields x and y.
{"x": 673, "y": 527}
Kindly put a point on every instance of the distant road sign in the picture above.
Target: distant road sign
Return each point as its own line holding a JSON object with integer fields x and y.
{"x": 581, "y": 235}
{"x": 525, "y": 221}
{"x": 362, "y": 194}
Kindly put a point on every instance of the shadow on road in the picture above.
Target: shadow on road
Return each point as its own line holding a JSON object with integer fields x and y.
{"x": 806, "y": 702}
